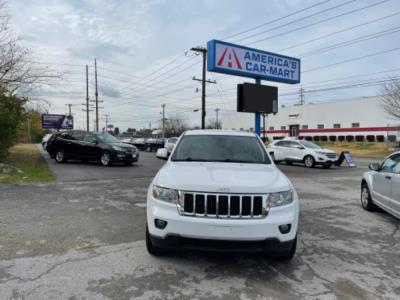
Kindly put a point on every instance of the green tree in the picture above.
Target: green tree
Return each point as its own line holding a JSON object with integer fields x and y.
{"x": 12, "y": 114}
{"x": 116, "y": 131}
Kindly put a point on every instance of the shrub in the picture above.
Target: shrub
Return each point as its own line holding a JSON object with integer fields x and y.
{"x": 392, "y": 138}
{"x": 332, "y": 138}
{"x": 324, "y": 138}
{"x": 370, "y": 138}
{"x": 360, "y": 138}
{"x": 349, "y": 138}
{"x": 341, "y": 138}
{"x": 380, "y": 138}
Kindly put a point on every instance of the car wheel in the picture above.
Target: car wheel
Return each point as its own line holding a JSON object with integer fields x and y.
{"x": 105, "y": 159}
{"x": 287, "y": 255}
{"x": 148, "y": 149}
{"x": 150, "y": 248}
{"x": 60, "y": 156}
{"x": 366, "y": 200}
{"x": 309, "y": 161}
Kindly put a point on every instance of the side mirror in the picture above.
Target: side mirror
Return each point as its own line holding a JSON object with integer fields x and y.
{"x": 300, "y": 147}
{"x": 278, "y": 156}
{"x": 162, "y": 153}
{"x": 374, "y": 167}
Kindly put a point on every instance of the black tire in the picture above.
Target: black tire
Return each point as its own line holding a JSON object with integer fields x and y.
{"x": 155, "y": 251}
{"x": 326, "y": 166}
{"x": 309, "y": 161}
{"x": 59, "y": 156}
{"x": 105, "y": 159}
{"x": 366, "y": 200}
{"x": 149, "y": 149}
{"x": 288, "y": 255}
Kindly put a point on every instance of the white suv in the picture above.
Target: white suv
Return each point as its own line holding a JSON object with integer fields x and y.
{"x": 305, "y": 152}
{"x": 220, "y": 191}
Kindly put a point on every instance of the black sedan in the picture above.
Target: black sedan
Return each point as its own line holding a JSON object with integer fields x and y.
{"x": 91, "y": 146}
{"x": 154, "y": 144}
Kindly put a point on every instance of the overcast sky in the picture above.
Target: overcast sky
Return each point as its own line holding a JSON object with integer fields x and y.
{"x": 133, "y": 39}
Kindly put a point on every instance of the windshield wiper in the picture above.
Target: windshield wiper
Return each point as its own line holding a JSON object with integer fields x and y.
{"x": 190, "y": 159}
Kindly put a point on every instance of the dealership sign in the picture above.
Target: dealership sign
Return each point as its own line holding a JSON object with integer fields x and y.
{"x": 237, "y": 60}
{"x": 57, "y": 121}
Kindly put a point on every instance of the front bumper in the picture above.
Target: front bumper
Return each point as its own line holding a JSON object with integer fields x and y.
{"x": 126, "y": 157}
{"x": 181, "y": 231}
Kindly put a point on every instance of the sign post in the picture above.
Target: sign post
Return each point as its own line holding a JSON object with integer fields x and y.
{"x": 227, "y": 58}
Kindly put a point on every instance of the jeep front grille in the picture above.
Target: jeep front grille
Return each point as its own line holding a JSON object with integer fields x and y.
{"x": 223, "y": 205}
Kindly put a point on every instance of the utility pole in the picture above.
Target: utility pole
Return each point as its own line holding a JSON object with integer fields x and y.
{"x": 217, "y": 124}
{"x": 87, "y": 110}
{"x": 96, "y": 95}
{"x": 69, "y": 108}
{"x": 107, "y": 123}
{"x": 302, "y": 96}
{"x": 163, "y": 120}
{"x": 203, "y": 84}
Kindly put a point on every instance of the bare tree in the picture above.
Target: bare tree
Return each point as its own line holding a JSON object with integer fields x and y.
{"x": 390, "y": 98}
{"x": 175, "y": 125}
{"x": 17, "y": 69}
{"x": 212, "y": 124}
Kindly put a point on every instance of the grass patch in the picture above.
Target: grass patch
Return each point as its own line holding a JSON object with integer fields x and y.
{"x": 362, "y": 149}
{"x": 28, "y": 166}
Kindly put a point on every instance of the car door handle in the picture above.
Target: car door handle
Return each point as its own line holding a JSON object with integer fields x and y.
{"x": 388, "y": 177}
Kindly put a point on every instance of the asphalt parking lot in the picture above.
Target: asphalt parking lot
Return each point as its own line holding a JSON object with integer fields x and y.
{"x": 82, "y": 237}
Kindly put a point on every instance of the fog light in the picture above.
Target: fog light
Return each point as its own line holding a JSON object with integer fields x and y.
{"x": 160, "y": 224}
{"x": 285, "y": 228}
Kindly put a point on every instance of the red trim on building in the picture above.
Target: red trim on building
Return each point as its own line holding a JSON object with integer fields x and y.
{"x": 356, "y": 129}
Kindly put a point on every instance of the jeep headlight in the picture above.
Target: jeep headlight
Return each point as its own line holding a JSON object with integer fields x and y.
{"x": 117, "y": 148}
{"x": 281, "y": 198}
{"x": 164, "y": 194}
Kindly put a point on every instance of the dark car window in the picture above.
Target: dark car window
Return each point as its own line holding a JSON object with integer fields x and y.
{"x": 221, "y": 148}
{"x": 282, "y": 144}
{"x": 90, "y": 137}
{"x": 66, "y": 136}
{"x": 294, "y": 145}
{"x": 389, "y": 164}
{"x": 77, "y": 135}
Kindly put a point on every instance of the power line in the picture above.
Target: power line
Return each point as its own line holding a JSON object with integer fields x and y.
{"x": 275, "y": 20}
{"x": 318, "y": 22}
{"x": 295, "y": 21}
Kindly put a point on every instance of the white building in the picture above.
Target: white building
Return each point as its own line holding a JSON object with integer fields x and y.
{"x": 348, "y": 119}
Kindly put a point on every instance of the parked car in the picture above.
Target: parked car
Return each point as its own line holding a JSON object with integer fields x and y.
{"x": 91, "y": 146}
{"x": 219, "y": 190}
{"x": 381, "y": 186}
{"x": 170, "y": 144}
{"x": 305, "y": 152}
{"x": 154, "y": 144}
{"x": 139, "y": 143}
{"x": 45, "y": 139}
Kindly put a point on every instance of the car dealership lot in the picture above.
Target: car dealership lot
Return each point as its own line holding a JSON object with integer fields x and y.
{"x": 83, "y": 237}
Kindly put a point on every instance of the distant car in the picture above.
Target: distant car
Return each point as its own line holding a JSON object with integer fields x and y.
{"x": 139, "y": 143}
{"x": 154, "y": 144}
{"x": 305, "y": 152}
{"x": 91, "y": 146}
{"x": 170, "y": 144}
{"x": 381, "y": 186}
{"x": 45, "y": 139}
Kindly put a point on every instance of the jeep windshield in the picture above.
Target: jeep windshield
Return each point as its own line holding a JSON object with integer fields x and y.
{"x": 221, "y": 148}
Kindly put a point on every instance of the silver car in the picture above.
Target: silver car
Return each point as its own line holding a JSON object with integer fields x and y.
{"x": 381, "y": 186}
{"x": 170, "y": 144}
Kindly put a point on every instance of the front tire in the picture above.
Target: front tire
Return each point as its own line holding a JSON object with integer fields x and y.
{"x": 149, "y": 149}
{"x": 309, "y": 161}
{"x": 155, "y": 251}
{"x": 60, "y": 156}
{"x": 105, "y": 159}
{"x": 366, "y": 200}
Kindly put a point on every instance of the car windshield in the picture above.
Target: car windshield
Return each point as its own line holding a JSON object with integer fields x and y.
{"x": 310, "y": 145}
{"x": 221, "y": 148}
{"x": 107, "y": 138}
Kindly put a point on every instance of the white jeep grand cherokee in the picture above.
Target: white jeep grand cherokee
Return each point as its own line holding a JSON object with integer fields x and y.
{"x": 220, "y": 191}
